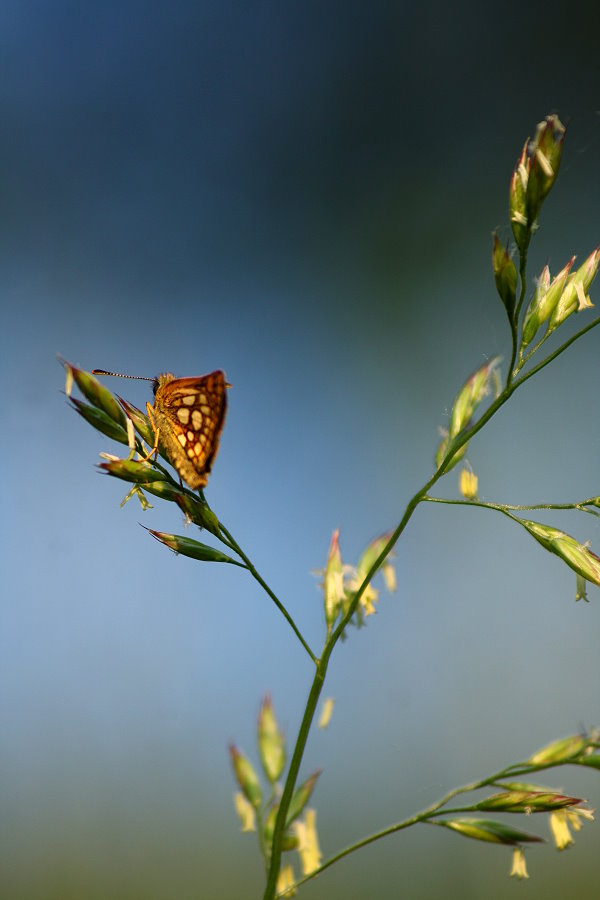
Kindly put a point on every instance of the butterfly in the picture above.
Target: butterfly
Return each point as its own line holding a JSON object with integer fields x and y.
{"x": 187, "y": 418}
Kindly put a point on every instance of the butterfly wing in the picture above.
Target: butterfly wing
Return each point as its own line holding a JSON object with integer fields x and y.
{"x": 190, "y": 414}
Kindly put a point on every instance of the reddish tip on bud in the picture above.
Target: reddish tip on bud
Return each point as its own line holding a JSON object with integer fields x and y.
{"x": 545, "y": 153}
{"x": 544, "y": 301}
{"x": 528, "y": 801}
{"x": 517, "y": 200}
{"x": 533, "y": 177}
{"x": 574, "y": 296}
{"x": 194, "y": 549}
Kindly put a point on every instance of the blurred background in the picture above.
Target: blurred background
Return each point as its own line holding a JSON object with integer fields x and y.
{"x": 303, "y": 195}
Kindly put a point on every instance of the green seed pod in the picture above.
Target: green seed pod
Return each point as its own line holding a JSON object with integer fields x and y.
{"x": 194, "y": 549}
{"x": 505, "y": 276}
{"x": 271, "y": 743}
{"x": 545, "y": 154}
{"x": 246, "y": 776}
{"x": 95, "y": 392}
{"x": 528, "y": 801}
{"x": 575, "y": 555}
{"x": 489, "y": 830}
{"x": 100, "y": 421}
{"x": 561, "y": 750}
{"x": 134, "y": 470}
{"x": 301, "y": 796}
{"x": 517, "y": 201}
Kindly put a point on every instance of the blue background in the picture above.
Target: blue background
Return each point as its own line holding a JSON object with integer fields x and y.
{"x": 303, "y": 195}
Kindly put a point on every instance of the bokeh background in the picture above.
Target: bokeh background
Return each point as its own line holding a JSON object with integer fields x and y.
{"x": 303, "y": 195}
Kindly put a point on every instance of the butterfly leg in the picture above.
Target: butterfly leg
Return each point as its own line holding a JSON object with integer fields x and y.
{"x": 155, "y": 429}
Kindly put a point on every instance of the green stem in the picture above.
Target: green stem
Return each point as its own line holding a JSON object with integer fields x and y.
{"x": 523, "y": 360}
{"x": 319, "y": 677}
{"x": 319, "y": 680}
{"x": 322, "y": 664}
{"x": 515, "y": 323}
{"x": 557, "y": 352}
{"x": 501, "y": 507}
{"x": 255, "y": 574}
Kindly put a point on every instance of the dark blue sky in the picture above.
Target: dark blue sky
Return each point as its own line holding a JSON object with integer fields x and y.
{"x": 303, "y": 195}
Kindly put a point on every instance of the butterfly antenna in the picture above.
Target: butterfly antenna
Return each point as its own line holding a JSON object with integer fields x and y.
{"x": 120, "y": 375}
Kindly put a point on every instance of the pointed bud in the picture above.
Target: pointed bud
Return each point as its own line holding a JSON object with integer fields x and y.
{"x": 489, "y": 830}
{"x": 99, "y": 420}
{"x": 545, "y": 152}
{"x": 140, "y": 421}
{"x": 560, "y": 751}
{"x": 93, "y": 391}
{"x": 163, "y": 489}
{"x": 517, "y": 200}
{"x": 575, "y": 295}
{"x": 544, "y": 301}
{"x": 138, "y": 471}
{"x": 271, "y": 743}
{"x": 527, "y": 801}
{"x": 198, "y": 512}
{"x": 301, "y": 796}
{"x": 532, "y": 320}
{"x": 366, "y": 561}
{"x": 533, "y": 177}
{"x": 333, "y": 583}
{"x": 575, "y": 555}
{"x": 476, "y": 388}
{"x": 523, "y": 786}
{"x": 194, "y": 549}
{"x": 505, "y": 276}
{"x": 246, "y": 776}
